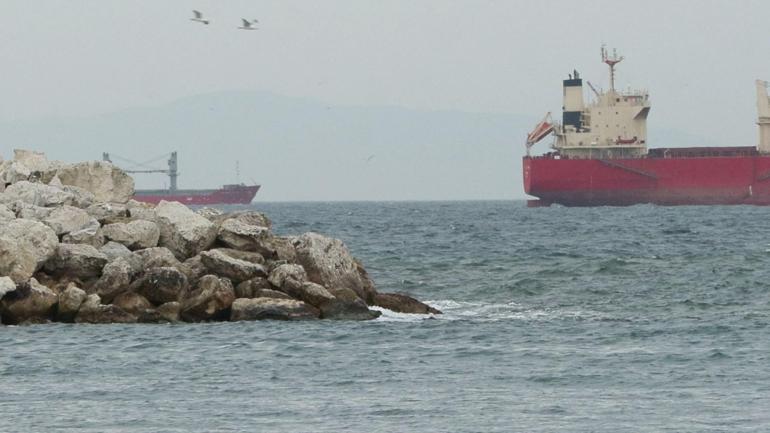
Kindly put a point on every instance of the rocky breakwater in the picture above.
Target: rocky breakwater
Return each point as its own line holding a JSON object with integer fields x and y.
{"x": 74, "y": 247}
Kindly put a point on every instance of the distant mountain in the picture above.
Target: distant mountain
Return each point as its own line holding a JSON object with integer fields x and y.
{"x": 302, "y": 149}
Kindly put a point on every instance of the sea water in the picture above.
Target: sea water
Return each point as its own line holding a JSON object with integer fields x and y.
{"x": 643, "y": 318}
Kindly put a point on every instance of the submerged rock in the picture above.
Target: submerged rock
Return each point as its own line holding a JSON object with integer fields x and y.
{"x": 272, "y": 309}
{"x": 401, "y": 303}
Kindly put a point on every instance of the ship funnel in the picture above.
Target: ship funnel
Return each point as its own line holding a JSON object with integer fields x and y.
{"x": 573, "y": 101}
{"x": 763, "y": 117}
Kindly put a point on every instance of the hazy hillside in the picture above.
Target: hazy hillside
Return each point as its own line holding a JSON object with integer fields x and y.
{"x": 305, "y": 150}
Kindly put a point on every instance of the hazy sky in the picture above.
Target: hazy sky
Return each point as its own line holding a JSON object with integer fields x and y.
{"x": 78, "y": 58}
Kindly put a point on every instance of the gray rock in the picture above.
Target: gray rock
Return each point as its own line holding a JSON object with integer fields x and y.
{"x": 195, "y": 268}
{"x": 107, "y": 182}
{"x": 25, "y": 245}
{"x": 328, "y": 262}
{"x": 133, "y": 303}
{"x": 401, "y": 303}
{"x": 219, "y": 263}
{"x": 239, "y": 235}
{"x": 81, "y": 198}
{"x": 107, "y": 213}
{"x": 14, "y": 172}
{"x": 308, "y": 292}
{"x": 209, "y": 213}
{"x": 70, "y": 300}
{"x": 77, "y": 260}
{"x": 183, "y": 231}
{"x": 346, "y": 305}
{"x": 117, "y": 276}
{"x": 29, "y": 211}
{"x": 137, "y": 234}
{"x": 30, "y": 300}
{"x": 113, "y": 250}
{"x": 211, "y": 300}
{"x": 89, "y": 235}
{"x": 248, "y": 288}
{"x": 249, "y": 217}
{"x": 292, "y": 273}
{"x": 67, "y": 219}
{"x": 161, "y": 285}
{"x": 6, "y": 213}
{"x": 271, "y": 309}
{"x": 170, "y": 311}
{"x": 33, "y": 160}
{"x": 103, "y": 314}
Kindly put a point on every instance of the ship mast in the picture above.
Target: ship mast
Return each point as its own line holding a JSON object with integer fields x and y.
{"x": 611, "y": 62}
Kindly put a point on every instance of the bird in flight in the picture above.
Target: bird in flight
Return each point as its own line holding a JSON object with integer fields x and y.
{"x": 248, "y": 25}
{"x": 197, "y": 16}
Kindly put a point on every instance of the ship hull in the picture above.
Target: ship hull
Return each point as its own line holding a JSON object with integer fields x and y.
{"x": 238, "y": 194}
{"x": 711, "y": 180}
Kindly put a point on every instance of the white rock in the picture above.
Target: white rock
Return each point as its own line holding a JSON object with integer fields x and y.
{"x": 183, "y": 231}
{"x": 37, "y": 194}
{"x": 6, "y": 214}
{"x": 68, "y": 219}
{"x": 106, "y": 181}
{"x": 25, "y": 245}
{"x": 7, "y": 285}
{"x": 33, "y": 160}
{"x": 137, "y": 234}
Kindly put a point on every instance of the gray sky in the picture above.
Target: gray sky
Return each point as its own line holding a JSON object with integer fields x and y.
{"x": 80, "y": 58}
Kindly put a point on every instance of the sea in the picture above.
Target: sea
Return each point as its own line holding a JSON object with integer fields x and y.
{"x": 605, "y": 319}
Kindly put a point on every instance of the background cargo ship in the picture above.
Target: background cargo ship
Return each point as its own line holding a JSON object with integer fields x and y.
{"x": 600, "y": 157}
{"x": 227, "y": 194}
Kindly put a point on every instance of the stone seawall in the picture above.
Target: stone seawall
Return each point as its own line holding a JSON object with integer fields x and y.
{"x": 74, "y": 247}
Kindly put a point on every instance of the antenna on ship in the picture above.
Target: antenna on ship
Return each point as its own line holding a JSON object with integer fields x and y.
{"x": 611, "y": 62}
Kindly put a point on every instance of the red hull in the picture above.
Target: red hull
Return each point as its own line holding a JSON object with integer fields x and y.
{"x": 740, "y": 178}
{"x": 230, "y": 194}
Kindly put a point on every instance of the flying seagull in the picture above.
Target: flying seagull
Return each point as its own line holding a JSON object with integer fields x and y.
{"x": 248, "y": 25}
{"x": 197, "y": 16}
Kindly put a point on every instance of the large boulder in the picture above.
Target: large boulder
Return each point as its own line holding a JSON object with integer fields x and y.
{"x": 248, "y": 288}
{"x": 346, "y": 305}
{"x": 169, "y": 311}
{"x": 70, "y": 300}
{"x": 308, "y": 292}
{"x": 271, "y": 309}
{"x": 161, "y": 285}
{"x": 249, "y": 217}
{"x": 33, "y": 160}
{"x": 93, "y": 311}
{"x": 113, "y": 250}
{"x": 108, "y": 213}
{"x": 401, "y": 303}
{"x": 25, "y": 245}
{"x": 287, "y": 274}
{"x": 107, "y": 182}
{"x": 328, "y": 262}
{"x": 222, "y": 264}
{"x": 132, "y": 303}
{"x": 68, "y": 219}
{"x": 30, "y": 211}
{"x": 91, "y": 234}
{"x": 30, "y": 301}
{"x": 242, "y": 236}
{"x": 211, "y": 300}
{"x": 77, "y": 260}
{"x": 37, "y": 194}
{"x": 14, "y": 171}
{"x": 183, "y": 231}
{"x": 135, "y": 235}
{"x": 117, "y": 276}
{"x": 6, "y": 213}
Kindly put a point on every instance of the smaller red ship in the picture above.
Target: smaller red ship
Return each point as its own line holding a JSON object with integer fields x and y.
{"x": 227, "y": 194}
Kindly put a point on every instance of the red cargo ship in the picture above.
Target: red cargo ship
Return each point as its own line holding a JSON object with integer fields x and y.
{"x": 228, "y": 194}
{"x": 600, "y": 156}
